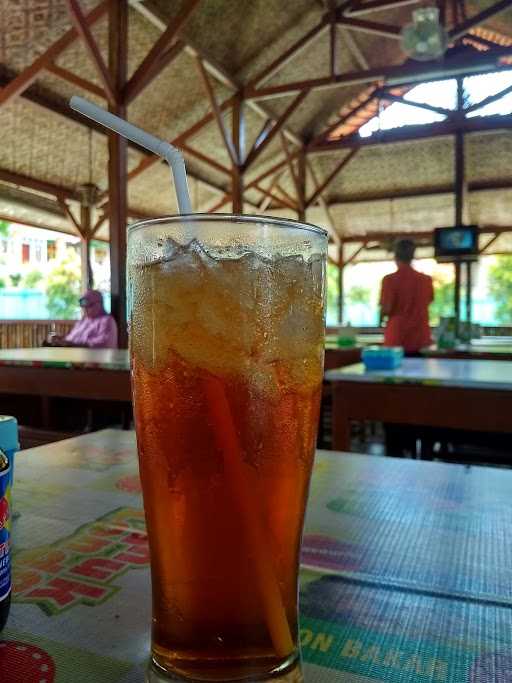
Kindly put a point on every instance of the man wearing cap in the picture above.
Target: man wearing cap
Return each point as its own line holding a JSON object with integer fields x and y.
{"x": 96, "y": 329}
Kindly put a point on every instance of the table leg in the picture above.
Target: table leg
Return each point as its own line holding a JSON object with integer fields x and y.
{"x": 340, "y": 420}
{"x": 46, "y": 412}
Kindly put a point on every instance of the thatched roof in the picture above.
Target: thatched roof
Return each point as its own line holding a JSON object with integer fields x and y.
{"x": 390, "y": 188}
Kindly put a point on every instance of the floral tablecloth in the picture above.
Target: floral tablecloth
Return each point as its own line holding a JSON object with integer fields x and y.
{"x": 406, "y": 569}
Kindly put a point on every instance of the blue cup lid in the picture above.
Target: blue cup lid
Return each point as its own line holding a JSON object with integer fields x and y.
{"x": 8, "y": 433}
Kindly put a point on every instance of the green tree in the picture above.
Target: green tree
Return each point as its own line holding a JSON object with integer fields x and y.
{"x": 359, "y": 295}
{"x": 32, "y": 279}
{"x": 444, "y": 297}
{"x": 15, "y": 279}
{"x": 500, "y": 287}
{"x": 2, "y": 283}
{"x": 4, "y": 228}
{"x": 63, "y": 287}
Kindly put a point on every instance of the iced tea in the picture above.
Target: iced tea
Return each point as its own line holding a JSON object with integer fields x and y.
{"x": 227, "y": 360}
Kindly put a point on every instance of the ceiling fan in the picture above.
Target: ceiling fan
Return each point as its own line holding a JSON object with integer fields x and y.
{"x": 425, "y": 39}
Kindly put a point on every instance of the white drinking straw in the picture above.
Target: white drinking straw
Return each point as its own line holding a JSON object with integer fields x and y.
{"x": 163, "y": 149}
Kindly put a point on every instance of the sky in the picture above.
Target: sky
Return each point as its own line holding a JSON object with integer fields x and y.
{"x": 443, "y": 94}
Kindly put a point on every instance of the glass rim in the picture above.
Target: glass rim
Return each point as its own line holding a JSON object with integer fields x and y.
{"x": 230, "y": 217}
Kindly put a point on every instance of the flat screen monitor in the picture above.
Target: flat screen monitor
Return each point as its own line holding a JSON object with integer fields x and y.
{"x": 459, "y": 243}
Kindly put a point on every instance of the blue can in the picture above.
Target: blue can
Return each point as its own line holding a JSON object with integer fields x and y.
{"x": 8, "y": 447}
{"x": 9, "y": 442}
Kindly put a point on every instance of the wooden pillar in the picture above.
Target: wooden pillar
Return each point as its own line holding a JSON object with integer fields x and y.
{"x": 457, "y": 294}
{"x": 469, "y": 290}
{"x": 459, "y": 209}
{"x": 301, "y": 186}
{"x": 117, "y": 167}
{"x": 238, "y": 136}
{"x": 85, "y": 221}
{"x": 459, "y": 178}
{"x": 459, "y": 193}
{"x": 341, "y": 268}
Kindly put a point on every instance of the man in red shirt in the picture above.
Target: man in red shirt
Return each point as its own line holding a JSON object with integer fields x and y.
{"x": 404, "y": 300}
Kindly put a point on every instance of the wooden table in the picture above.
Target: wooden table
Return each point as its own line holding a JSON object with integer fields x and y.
{"x": 406, "y": 569}
{"x": 459, "y": 394}
{"x": 68, "y": 373}
{"x": 340, "y": 356}
{"x": 97, "y": 373}
{"x": 487, "y": 348}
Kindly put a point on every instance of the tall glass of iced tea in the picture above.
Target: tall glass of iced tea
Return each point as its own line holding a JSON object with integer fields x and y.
{"x": 227, "y": 346}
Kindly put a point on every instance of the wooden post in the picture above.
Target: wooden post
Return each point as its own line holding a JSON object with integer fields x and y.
{"x": 85, "y": 220}
{"x": 459, "y": 192}
{"x": 341, "y": 266}
{"x": 457, "y": 294}
{"x": 238, "y": 137}
{"x": 469, "y": 292}
{"x": 301, "y": 185}
{"x": 459, "y": 178}
{"x": 237, "y": 200}
{"x": 117, "y": 167}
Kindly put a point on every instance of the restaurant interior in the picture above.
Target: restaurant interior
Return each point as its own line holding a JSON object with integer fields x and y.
{"x": 382, "y": 122}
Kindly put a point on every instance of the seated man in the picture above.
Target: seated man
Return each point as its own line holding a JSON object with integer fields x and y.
{"x": 96, "y": 329}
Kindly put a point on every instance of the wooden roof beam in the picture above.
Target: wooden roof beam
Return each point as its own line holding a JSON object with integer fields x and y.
{"x": 209, "y": 161}
{"x": 152, "y": 14}
{"x": 323, "y": 136}
{"x": 38, "y": 185}
{"x": 152, "y": 64}
{"x": 396, "y": 75}
{"x": 489, "y": 100}
{"x": 331, "y": 226}
{"x": 256, "y": 151}
{"x": 415, "y": 133}
{"x": 99, "y": 223}
{"x": 102, "y": 204}
{"x": 292, "y": 200}
{"x": 279, "y": 200}
{"x": 473, "y": 38}
{"x": 291, "y": 167}
{"x": 82, "y": 27}
{"x": 219, "y": 204}
{"x": 26, "y": 77}
{"x": 32, "y": 224}
{"x": 353, "y": 256}
{"x": 344, "y": 15}
{"x": 390, "y": 97}
{"x": 416, "y": 234}
{"x": 371, "y": 27}
{"x": 265, "y": 203}
{"x": 50, "y": 101}
{"x": 355, "y": 50}
{"x": 461, "y": 30}
{"x": 360, "y": 8}
{"x": 280, "y": 62}
{"x": 270, "y": 171}
{"x": 226, "y": 137}
{"x": 332, "y": 176}
{"x": 64, "y": 206}
{"x": 141, "y": 79}
{"x": 180, "y": 139}
{"x": 488, "y": 244}
{"x": 415, "y": 193}
{"x": 74, "y": 79}
{"x": 333, "y": 45}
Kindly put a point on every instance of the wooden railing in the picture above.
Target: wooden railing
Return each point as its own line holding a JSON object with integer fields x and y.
{"x": 17, "y": 334}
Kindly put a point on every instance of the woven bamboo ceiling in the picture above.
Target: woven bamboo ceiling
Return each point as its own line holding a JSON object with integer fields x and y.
{"x": 308, "y": 72}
